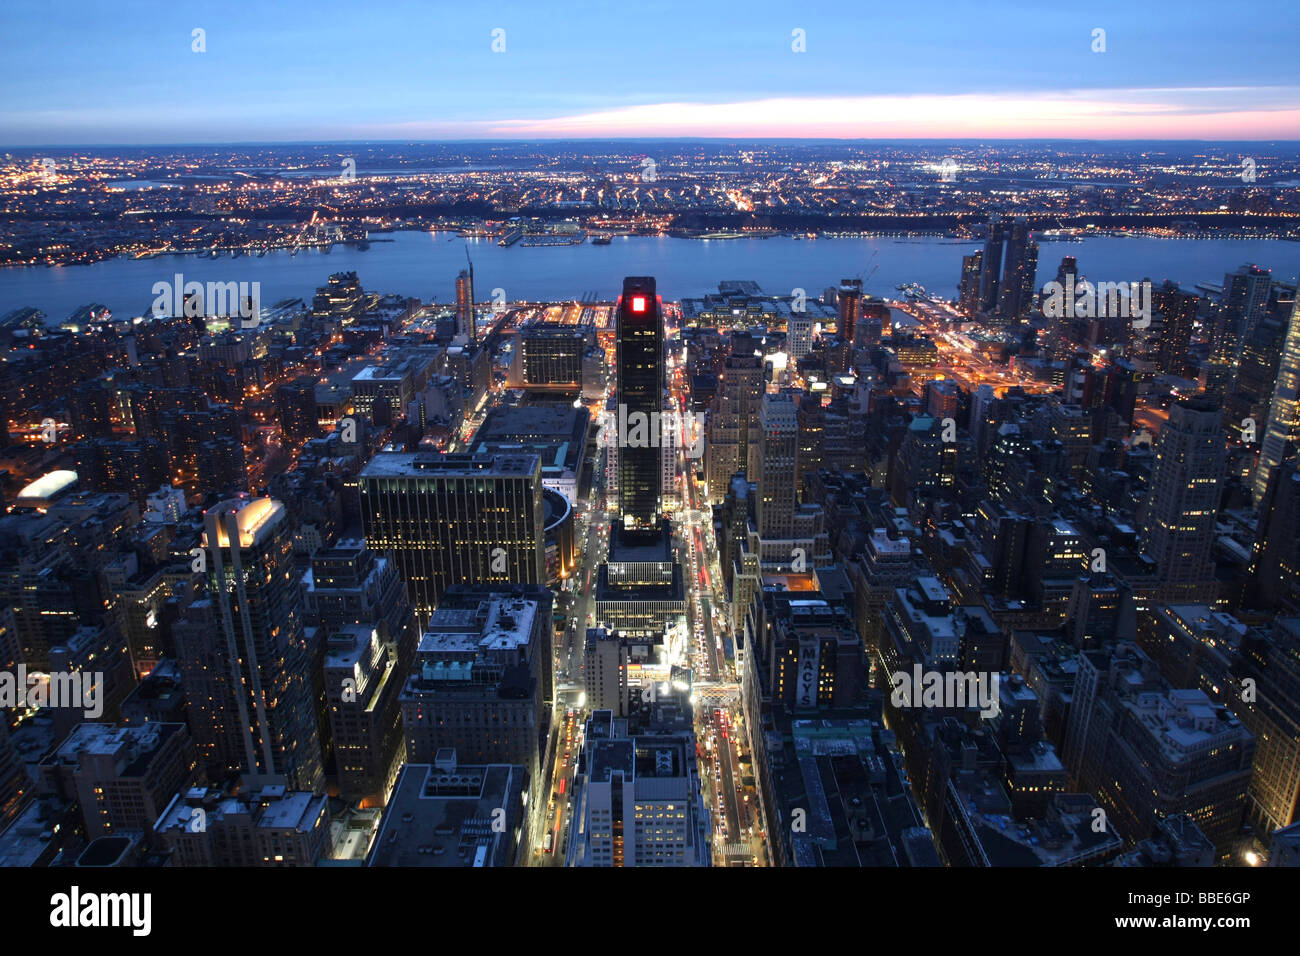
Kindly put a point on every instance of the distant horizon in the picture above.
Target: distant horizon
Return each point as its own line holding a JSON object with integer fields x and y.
{"x": 780, "y": 140}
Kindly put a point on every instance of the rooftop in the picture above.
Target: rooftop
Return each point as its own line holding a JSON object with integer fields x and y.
{"x": 255, "y": 517}
{"x": 442, "y": 815}
{"x": 132, "y": 747}
{"x": 49, "y": 485}
{"x": 417, "y": 464}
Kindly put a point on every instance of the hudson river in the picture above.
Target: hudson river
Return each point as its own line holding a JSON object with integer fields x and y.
{"x": 424, "y": 265}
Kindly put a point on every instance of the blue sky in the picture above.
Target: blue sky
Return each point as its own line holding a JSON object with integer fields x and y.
{"x": 94, "y": 71}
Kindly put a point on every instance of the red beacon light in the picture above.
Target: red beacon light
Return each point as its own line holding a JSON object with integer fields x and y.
{"x": 638, "y": 303}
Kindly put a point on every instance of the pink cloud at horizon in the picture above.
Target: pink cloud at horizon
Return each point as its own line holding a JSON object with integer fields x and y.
{"x": 1214, "y": 114}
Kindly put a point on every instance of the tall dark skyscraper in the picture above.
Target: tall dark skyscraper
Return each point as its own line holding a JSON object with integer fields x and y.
{"x": 1178, "y": 314}
{"x": 969, "y": 299}
{"x": 1183, "y": 497}
{"x": 1027, "y": 278}
{"x": 465, "y": 304}
{"x": 1013, "y": 273}
{"x": 732, "y": 415}
{"x": 1244, "y": 306}
{"x": 849, "y": 302}
{"x": 1277, "y": 547}
{"x": 778, "y": 465}
{"x": 640, "y": 588}
{"x": 1284, "y": 411}
{"x": 992, "y": 264}
{"x": 1245, "y": 297}
{"x": 639, "y": 364}
{"x": 259, "y": 645}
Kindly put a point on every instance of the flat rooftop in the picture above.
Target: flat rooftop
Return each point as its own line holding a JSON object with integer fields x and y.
{"x": 380, "y": 373}
{"x": 640, "y": 546}
{"x": 134, "y": 745}
{"x": 398, "y": 464}
{"x": 496, "y": 624}
{"x": 443, "y": 816}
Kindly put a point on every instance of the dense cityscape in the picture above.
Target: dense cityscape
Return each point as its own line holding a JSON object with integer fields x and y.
{"x": 438, "y": 442}
{"x": 716, "y": 551}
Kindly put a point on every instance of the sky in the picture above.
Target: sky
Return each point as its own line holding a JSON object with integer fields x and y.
{"x": 102, "y": 72}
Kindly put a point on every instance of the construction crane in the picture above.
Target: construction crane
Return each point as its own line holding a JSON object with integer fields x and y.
{"x": 873, "y": 270}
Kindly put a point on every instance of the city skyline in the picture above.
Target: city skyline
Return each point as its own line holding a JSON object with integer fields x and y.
{"x": 675, "y": 436}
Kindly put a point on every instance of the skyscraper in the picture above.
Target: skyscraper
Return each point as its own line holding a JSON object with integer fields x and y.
{"x": 849, "y": 303}
{"x": 981, "y": 421}
{"x": 925, "y": 467}
{"x": 1276, "y": 570}
{"x": 740, "y": 386}
{"x": 847, "y": 300}
{"x": 1183, "y": 501}
{"x": 456, "y": 519}
{"x": 1284, "y": 411}
{"x": 362, "y": 680}
{"x": 1178, "y": 314}
{"x": 1122, "y": 388}
{"x": 812, "y": 436}
{"x": 639, "y": 362}
{"x": 482, "y": 680}
{"x": 1244, "y": 305}
{"x": 799, "y": 332}
{"x": 1018, "y": 262}
{"x": 1272, "y": 660}
{"x": 778, "y": 465}
{"x": 969, "y": 298}
{"x": 260, "y": 642}
{"x": 1028, "y": 277}
{"x": 350, "y": 584}
{"x": 640, "y": 586}
{"x": 549, "y": 357}
{"x": 1245, "y": 294}
{"x": 991, "y": 264}
{"x": 1257, "y": 372}
{"x": 465, "y": 324}
{"x": 1119, "y": 745}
